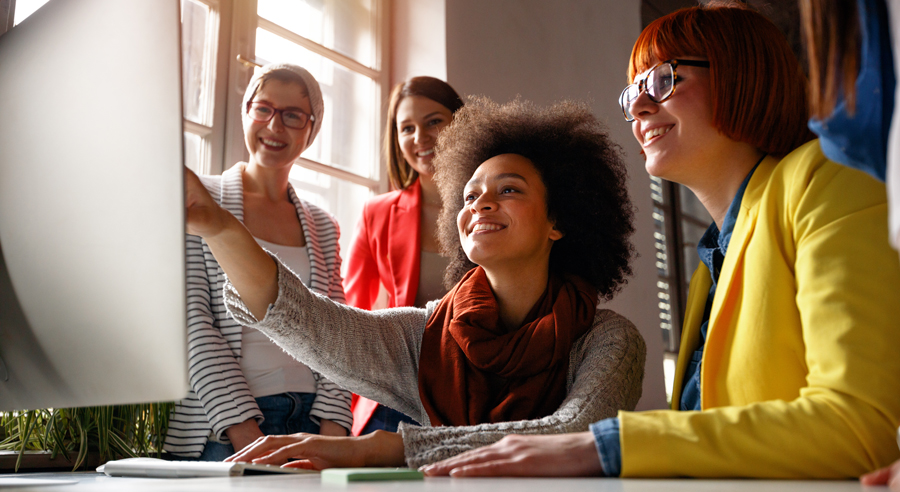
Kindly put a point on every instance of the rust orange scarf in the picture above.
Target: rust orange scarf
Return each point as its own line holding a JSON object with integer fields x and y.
{"x": 472, "y": 370}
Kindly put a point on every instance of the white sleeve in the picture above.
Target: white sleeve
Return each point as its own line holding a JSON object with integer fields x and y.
{"x": 893, "y": 150}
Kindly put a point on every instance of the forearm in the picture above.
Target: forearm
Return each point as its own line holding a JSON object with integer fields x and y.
{"x": 248, "y": 267}
{"x": 822, "y": 437}
{"x": 374, "y": 354}
{"x": 607, "y": 366}
{"x": 243, "y": 434}
{"x": 329, "y": 428}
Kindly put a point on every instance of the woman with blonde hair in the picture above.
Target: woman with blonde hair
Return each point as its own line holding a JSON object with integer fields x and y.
{"x": 242, "y": 385}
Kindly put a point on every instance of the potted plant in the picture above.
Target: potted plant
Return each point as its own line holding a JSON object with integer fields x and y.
{"x": 76, "y": 437}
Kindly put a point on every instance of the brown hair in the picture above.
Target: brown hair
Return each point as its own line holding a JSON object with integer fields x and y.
{"x": 758, "y": 88}
{"x": 582, "y": 170}
{"x": 400, "y": 173}
{"x": 832, "y": 36}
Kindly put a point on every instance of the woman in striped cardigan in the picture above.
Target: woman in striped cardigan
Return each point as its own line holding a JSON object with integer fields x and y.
{"x": 243, "y": 385}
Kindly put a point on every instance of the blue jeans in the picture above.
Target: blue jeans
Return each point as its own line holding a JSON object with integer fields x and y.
{"x": 385, "y": 418}
{"x": 285, "y": 413}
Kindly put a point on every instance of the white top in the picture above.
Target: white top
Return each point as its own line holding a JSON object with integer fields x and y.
{"x": 268, "y": 369}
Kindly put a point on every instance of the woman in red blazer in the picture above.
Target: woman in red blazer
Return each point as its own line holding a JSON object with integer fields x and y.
{"x": 395, "y": 245}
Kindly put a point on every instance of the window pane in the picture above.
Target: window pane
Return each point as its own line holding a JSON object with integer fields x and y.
{"x": 346, "y": 26}
{"x": 340, "y": 198}
{"x": 692, "y": 235}
{"x": 347, "y": 138}
{"x": 691, "y": 205}
{"x": 659, "y": 236}
{"x": 656, "y": 189}
{"x": 195, "y": 65}
{"x": 192, "y": 152}
{"x": 24, "y": 8}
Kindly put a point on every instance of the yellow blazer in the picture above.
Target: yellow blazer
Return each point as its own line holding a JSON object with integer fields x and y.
{"x": 801, "y": 369}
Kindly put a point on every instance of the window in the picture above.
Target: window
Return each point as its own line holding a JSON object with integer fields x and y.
{"x": 12, "y": 12}
{"x": 341, "y": 42}
{"x": 199, "y": 38}
{"x": 338, "y": 41}
{"x": 680, "y": 221}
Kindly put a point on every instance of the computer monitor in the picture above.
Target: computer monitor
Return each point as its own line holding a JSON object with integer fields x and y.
{"x": 92, "y": 279}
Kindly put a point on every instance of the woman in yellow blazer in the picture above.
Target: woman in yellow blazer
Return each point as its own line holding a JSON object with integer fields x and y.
{"x": 788, "y": 364}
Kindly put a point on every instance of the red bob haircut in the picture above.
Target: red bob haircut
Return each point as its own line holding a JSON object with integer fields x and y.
{"x": 759, "y": 91}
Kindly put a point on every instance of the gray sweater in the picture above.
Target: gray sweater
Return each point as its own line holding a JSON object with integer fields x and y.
{"x": 376, "y": 354}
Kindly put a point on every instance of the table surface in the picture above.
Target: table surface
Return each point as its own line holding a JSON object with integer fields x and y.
{"x": 90, "y": 481}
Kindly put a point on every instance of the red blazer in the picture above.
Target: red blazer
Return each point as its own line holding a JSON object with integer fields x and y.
{"x": 385, "y": 251}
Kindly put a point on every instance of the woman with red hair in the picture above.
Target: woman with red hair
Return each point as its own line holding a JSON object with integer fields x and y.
{"x": 788, "y": 349}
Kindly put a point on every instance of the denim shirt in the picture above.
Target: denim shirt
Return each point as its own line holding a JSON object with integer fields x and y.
{"x": 711, "y": 248}
{"x": 860, "y": 141}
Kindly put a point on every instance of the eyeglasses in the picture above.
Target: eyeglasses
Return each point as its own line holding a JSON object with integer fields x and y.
{"x": 659, "y": 82}
{"x": 290, "y": 118}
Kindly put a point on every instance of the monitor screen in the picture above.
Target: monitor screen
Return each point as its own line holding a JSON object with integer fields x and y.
{"x": 92, "y": 284}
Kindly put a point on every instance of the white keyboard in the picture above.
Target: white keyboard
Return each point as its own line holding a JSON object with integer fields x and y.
{"x": 157, "y": 468}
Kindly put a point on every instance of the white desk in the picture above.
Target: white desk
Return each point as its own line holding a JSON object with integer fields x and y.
{"x": 274, "y": 483}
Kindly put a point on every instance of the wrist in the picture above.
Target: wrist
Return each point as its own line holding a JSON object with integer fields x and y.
{"x": 243, "y": 434}
{"x": 382, "y": 448}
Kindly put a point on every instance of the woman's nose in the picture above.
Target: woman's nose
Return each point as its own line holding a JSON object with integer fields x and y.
{"x": 422, "y": 135}
{"x": 275, "y": 124}
{"x": 483, "y": 202}
{"x": 643, "y": 105}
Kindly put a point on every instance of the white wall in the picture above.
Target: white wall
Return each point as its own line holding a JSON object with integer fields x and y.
{"x": 418, "y": 39}
{"x": 546, "y": 51}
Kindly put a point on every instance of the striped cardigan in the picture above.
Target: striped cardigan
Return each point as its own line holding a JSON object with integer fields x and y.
{"x": 220, "y": 396}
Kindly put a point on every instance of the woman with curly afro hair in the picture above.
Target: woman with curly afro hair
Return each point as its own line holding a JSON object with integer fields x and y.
{"x": 582, "y": 172}
{"x": 536, "y": 222}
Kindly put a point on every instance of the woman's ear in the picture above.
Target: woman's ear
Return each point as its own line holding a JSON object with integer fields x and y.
{"x": 556, "y": 234}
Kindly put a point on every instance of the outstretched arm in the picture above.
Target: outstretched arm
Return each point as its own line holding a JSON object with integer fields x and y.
{"x": 251, "y": 271}
{"x": 606, "y": 371}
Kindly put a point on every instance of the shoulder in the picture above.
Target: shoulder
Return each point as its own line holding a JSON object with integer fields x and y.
{"x": 608, "y": 320}
{"x": 322, "y": 221}
{"x": 805, "y": 177}
{"x": 384, "y": 201}
{"x": 613, "y": 350}
{"x": 807, "y": 166}
{"x": 212, "y": 183}
{"x": 612, "y": 334}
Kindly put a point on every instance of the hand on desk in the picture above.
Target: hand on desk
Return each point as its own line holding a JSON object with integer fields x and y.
{"x": 317, "y": 452}
{"x": 563, "y": 455}
{"x": 889, "y": 475}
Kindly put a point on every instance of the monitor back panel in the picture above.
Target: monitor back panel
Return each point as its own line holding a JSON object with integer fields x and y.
{"x": 92, "y": 290}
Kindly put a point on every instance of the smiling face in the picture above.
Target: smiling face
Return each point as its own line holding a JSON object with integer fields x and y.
{"x": 504, "y": 220}
{"x": 419, "y": 120}
{"x": 678, "y": 135}
{"x": 270, "y": 143}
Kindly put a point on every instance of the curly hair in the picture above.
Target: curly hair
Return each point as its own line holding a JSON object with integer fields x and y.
{"x": 582, "y": 170}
